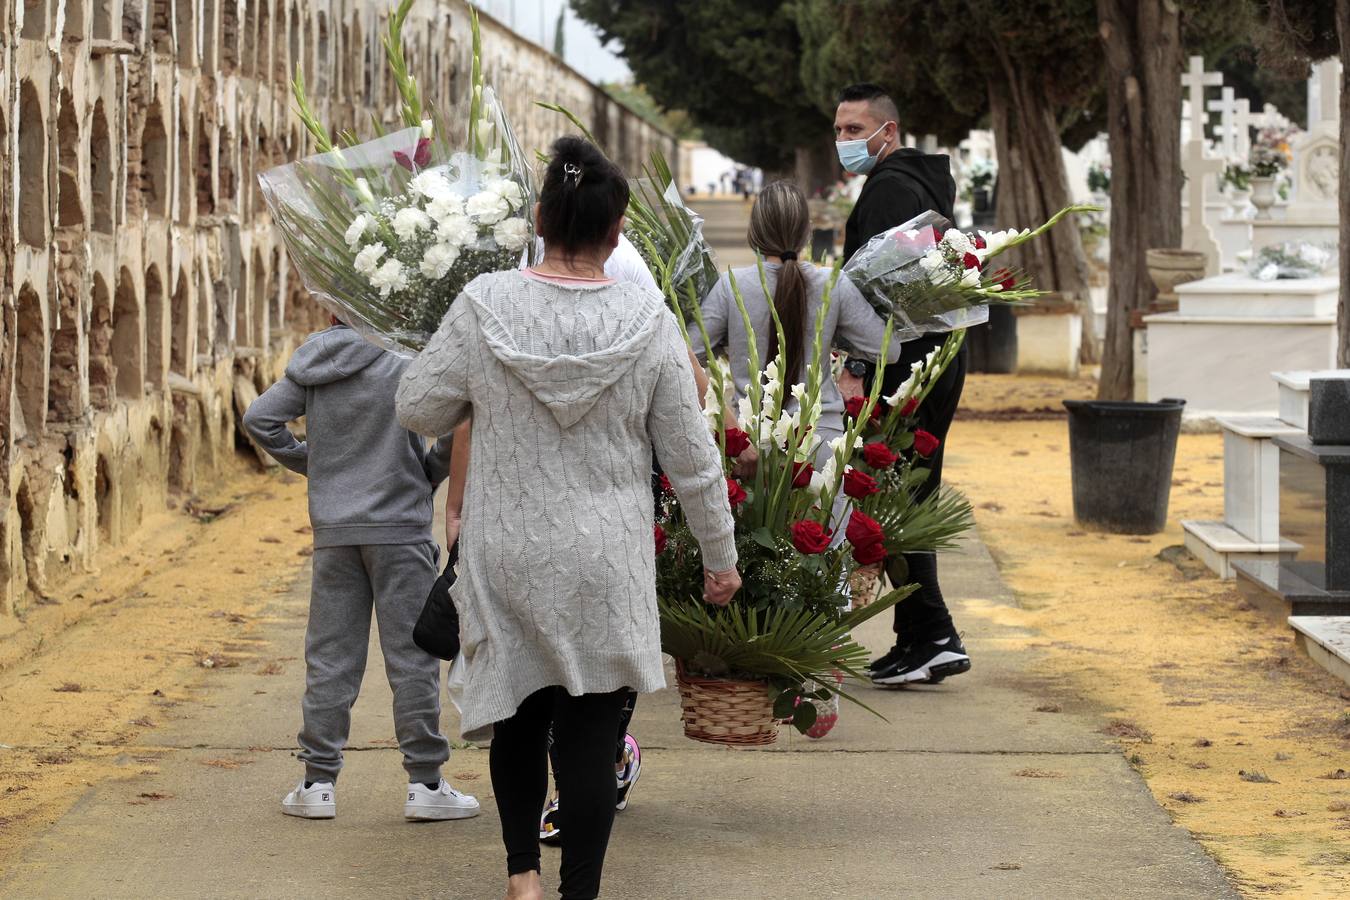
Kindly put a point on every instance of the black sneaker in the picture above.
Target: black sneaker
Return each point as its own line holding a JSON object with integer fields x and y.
{"x": 891, "y": 655}
{"x": 926, "y": 662}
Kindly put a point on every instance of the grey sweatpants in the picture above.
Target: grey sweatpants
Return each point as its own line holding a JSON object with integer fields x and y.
{"x": 394, "y": 580}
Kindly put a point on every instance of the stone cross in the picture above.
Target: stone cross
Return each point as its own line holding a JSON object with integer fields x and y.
{"x": 1243, "y": 122}
{"x": 1271, "y": 117}
{"x": 1225, "y": 107}
{"x": 1324, "y": 93}
{"x": 1200, "y": 169}
{"x": 1196, "y": 80}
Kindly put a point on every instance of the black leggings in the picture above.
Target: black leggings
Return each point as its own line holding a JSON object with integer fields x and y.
{"x": 583, "y": 734}
{"x": 625, "y": 719}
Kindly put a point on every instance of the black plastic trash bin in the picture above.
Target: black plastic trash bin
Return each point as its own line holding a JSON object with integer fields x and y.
{"x": 1122, "y": 456}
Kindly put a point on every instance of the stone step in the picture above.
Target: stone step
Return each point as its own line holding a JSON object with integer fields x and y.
{"x": 1327, "y": 640}
{"x": 1294, "y": 391}
{"x": 1218, "y": 545}
{"x": 1282, "y": 589}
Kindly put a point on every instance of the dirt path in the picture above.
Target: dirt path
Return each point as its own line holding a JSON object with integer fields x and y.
{"x": 972, "y": 785}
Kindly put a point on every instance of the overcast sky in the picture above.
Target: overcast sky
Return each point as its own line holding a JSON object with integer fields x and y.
{"x": 536, "y": 19}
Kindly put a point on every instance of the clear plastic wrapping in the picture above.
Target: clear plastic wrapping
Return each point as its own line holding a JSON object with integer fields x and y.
{"x": 1292, "y": 259}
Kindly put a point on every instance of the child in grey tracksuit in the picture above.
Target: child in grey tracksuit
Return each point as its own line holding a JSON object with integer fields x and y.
{"x": 371, "y": 483}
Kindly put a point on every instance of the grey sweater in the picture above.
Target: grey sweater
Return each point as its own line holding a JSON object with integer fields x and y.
{"x": 570, "y": 390}
{"x": 370, "y": 479}
{"x": 850, "y": 324}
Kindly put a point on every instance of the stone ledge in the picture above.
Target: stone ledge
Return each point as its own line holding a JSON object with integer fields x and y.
{"x": 1327, "y": 640}
{"x": 1218, "y": 545}
{"x": 1257, "y": 426}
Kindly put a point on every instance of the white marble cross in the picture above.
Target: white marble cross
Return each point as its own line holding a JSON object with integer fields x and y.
{"x": 1196, "y": 79}
{"x": 1200, "y": 169}
{"x": 1225, "y": 108}
{"x": 1243, "y": 122}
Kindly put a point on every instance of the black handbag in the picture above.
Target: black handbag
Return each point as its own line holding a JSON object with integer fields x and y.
{"x": 437, "y": 628}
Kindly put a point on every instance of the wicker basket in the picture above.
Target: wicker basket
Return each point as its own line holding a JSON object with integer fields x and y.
{"x": 723, "y": 711}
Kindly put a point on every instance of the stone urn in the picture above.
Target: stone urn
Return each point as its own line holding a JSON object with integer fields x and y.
{"x": 1240, "y": 200}
{"x": 1169, "y": 267}
{"x": 1263, "y": 196}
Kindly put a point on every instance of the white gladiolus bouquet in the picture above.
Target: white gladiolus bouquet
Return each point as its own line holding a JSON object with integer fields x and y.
{"x": 387, "y": 233}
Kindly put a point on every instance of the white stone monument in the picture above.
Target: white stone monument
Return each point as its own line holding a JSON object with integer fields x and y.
{"x": 1201, "y": 170}
{"x": 1313, "y": 213}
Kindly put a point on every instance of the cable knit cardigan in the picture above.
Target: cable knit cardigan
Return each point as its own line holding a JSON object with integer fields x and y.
{"x": 570, "y": 389}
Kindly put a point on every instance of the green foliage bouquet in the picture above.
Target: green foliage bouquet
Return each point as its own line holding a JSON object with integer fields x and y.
{"x": 801, "y": 533}
{"x": 387, "y": 233}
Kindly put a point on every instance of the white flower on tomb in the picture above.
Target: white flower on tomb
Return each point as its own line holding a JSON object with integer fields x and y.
{"x": 389, "y": 277}
{"x": 445, "y": 205}
{"x": 511, "y": 234}
{"x": 368, "y": 259}
{"x": 508, "y": 190}
{"x": 408, "y": 221}
{"x": 438, "y": 259}
{"x": 487, "y": 208}
{"x": 430, "y": 184}
{"x": 357, "y": 230}
{"x": 457, "y": 230}
{"x": 971, "y": 278}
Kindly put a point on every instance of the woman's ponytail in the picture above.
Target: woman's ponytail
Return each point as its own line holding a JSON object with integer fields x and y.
{"x": 779, "y": 226}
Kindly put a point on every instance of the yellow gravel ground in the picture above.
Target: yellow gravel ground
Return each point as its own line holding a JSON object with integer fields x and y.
{"x": 84, "y": 679}
{"x": 1241, "y": 738}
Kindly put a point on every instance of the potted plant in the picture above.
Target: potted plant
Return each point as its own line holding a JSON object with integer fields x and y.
{"x": 779, "y": 645}
{"x": 1237, "y": 180}
{"x": 1271, "y": 155}
{"x": 1099, "y": 181}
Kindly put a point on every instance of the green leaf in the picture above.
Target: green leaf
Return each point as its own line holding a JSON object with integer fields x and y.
{"x": 784, "y": 705}
{"x": 764, "y": 537}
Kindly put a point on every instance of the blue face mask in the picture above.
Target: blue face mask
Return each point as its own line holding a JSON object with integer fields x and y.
{"x": 854, "y": 156}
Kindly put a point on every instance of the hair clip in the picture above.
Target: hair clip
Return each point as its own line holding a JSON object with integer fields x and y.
{"x": 572, "y": 174}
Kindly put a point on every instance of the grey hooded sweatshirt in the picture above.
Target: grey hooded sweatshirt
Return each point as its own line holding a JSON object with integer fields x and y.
{"x": 370, "y": 480}
{"x": 571, "y": 388}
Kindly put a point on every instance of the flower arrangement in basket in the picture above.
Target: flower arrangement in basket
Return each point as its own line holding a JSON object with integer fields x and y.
{"x": 743, "y": 668}
{"x": 387, "y": 233}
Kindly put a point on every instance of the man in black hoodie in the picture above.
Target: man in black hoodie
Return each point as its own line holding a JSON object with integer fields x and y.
{"x": 902, "y": 183}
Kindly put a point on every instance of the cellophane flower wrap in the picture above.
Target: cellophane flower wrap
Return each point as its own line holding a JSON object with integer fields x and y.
{"x": 800, "y": 532}
{"x": 387, "y": 233}
{"x": 930, "y": 277}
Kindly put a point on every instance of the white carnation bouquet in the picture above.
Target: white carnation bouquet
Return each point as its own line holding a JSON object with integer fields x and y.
{"x": 387, "y": 233}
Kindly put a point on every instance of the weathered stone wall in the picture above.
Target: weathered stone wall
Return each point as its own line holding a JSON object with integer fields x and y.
{"x": 143, "y": 287}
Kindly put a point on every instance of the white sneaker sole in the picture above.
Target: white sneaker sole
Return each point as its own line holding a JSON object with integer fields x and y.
{"x": 310, "y": 810}
{"x": 944, "y": 665}
{"x": 439, "y": 813}
{"x": 632, "y": 783}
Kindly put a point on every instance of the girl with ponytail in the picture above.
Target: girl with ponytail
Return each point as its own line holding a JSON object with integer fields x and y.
{"x": 780, "y": 225}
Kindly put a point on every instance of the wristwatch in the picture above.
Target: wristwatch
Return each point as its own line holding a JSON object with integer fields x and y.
{"x": 856, "y": 367}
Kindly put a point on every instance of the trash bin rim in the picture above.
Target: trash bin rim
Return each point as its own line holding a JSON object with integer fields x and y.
{"x": 1124, "y": 408}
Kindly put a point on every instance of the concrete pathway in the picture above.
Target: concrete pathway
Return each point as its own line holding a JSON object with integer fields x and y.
{"x": 926, "y": 804}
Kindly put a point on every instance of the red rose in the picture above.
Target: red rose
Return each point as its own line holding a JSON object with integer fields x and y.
{"x": 419, "y": 158}
{"x": 735, "y": 493}
{"x": 660, "y": 539}
{"x": 924, "y": 443}
{"x": 665, "y": 484}
{"x": 910, "y": 405}
{"x": 970, "y": 261}
{"x": 854, "y": 407}
{"x": 858, "y": 484}
{"x": 810, "y": 537}
{"x": 878, "y": 455}
{"x": 737, "y": 442}
{"x": 863, "y": 530}
{"x": 937, "y": 235}
{"x": 801, "y": 474}
{"x": 979, "y": 242}
{"x": 1005, "y": 279}
{"x": 869, "y": 554}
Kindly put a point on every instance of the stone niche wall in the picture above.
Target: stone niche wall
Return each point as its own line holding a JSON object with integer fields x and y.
{"x": 141, "y": 278}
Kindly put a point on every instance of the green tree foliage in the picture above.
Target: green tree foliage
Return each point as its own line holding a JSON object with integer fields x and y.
{"x": 732, "y": 64}
{"x": 560, "y": 35}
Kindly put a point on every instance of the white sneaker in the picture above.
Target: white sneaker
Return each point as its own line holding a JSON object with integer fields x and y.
{"x": 426, "y": 805}
{"x": 318, "y": 801}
